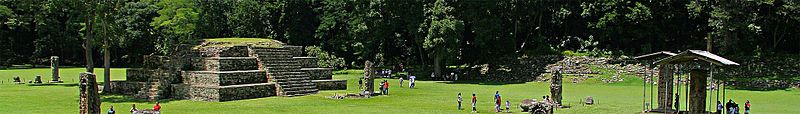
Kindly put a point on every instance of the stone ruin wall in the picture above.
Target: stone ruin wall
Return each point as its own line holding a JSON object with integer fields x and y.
{"x": 193, "y": 78}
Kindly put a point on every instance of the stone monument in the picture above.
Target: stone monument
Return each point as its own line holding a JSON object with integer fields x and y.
{"x": 369, "y": 82}
{"x": 555, "y": 89}
{"x": 89, "y": 100}
{"x": 697, "y": 88}
{"x": 54, "y": 68}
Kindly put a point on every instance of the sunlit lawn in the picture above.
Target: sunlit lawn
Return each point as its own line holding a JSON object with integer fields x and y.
{"x": 428, "y": 97}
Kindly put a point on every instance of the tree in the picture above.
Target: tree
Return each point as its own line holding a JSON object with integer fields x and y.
{"x": 251, "y": 18}
{"x": 109, "y": 33}
{"x": 177, "y": 21}
{"x": 443, "y": 33}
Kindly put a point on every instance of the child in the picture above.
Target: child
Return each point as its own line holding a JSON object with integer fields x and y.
{"x": 459, "y": 101}
{"x": 508, "y": 106}
{"x": 401, "y": 81}
{"x": 474, "y": 100}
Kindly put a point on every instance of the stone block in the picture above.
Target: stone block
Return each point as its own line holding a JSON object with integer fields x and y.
{"x": 223, "y": 78}
{"x": 297, "y": 51}
{"x": 126, "y": 87}
{"x": 232, "y": 92}
{"x": 229, "y": 64}
{"x": 145, "y": 75}
{"x": 319, "y": 73}
{"x": 307, "y": 62}
{"x": 331, "y": 84}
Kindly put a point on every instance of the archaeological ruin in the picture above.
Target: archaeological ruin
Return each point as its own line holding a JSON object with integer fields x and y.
{"x": 225, "y": 71}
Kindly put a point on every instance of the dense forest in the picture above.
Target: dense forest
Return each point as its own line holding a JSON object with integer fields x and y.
{"x": 414, "y": 32}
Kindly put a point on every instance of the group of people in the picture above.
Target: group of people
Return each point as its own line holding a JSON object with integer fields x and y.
{"x": 497, "y": 98}
{"x": 156, "y": 108}
{"x": 732, "y": 107}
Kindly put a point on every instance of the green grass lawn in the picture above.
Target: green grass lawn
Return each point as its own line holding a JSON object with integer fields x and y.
{"x": 428, "y": 97}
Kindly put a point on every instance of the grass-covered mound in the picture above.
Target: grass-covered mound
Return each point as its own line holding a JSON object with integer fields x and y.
{"x": 230, "y": 42}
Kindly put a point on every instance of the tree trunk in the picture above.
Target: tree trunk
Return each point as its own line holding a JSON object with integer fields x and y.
{"x": 107, "y": 69}
{"x": 88, "y": 40}
{"x": 437, "y": 64}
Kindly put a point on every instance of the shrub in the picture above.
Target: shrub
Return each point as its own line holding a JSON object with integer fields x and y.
{"x": 324, "y": 59}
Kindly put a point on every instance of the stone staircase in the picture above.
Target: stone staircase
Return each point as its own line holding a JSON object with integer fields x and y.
{"x": 152, "y": 90}
{"x": 285, "y": 71}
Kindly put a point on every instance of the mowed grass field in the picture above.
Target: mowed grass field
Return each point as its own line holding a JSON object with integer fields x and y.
{"x": 429, "y": 97}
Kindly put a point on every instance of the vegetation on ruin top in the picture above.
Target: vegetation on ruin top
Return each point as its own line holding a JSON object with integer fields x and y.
{"x": 230, "y": 42}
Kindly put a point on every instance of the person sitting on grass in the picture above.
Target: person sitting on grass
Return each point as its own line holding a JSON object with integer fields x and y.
{"x": 133, "y": 108}
{"x": 157, "y": 107}
{"x": 111, "y": 110}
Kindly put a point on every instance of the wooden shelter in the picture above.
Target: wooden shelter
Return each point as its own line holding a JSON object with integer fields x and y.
{"x": 664, "y": 82}
{"x": 697, "y": 62}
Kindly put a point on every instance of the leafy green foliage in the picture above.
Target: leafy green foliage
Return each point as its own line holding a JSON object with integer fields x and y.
{"x": 325, "y": 59}
{"x": 177, "y": 20}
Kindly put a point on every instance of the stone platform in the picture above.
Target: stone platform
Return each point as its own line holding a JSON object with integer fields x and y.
{"x": 228, "y": 73}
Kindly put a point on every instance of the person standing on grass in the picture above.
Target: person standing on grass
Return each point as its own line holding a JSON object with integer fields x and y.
{"x": 497, "y": 101}
{"x": 459, "y": 101}
{"x": 386, "y": 86}
{"x": 401, "y": 81}
{"x": 747, "y": 107}
{"x": 508, "y": 106}
{"x": 474, "y": 100}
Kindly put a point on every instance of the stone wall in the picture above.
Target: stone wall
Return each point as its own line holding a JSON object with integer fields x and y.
{"x": 307, "y": 62}
{"x": 235, "y": 51}
{"x": 331, "y": 84}
{"x": 126, "y": 87}
{"x": 227, "y": 64}
{"x": 319, "y": 73}
{"x": 144, "y": 75}
{"x": 211, "y": 78}
{"x": 227, "y": 93}
{"x": 297, "y": 51}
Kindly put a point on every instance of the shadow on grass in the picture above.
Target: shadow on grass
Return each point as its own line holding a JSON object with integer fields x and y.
{"x": 56, "y": 84}
{"x": 480, "y": 82}
{"x": 129, "y": 99}
{"x": 759, "y": 89}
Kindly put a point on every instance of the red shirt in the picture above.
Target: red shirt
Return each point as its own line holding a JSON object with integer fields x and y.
{"x": 473, "y": 99}
{"x": 157, "y": 107}
{"x": 386, "y": 85}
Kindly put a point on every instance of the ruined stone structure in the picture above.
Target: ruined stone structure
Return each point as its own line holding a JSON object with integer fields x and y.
{"x": 89, "y": 100}
{"x": 229, "y": 73}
